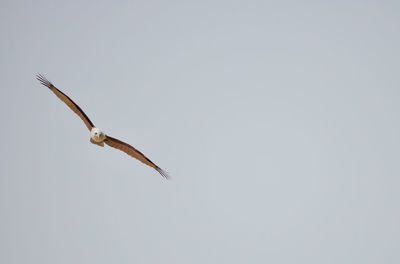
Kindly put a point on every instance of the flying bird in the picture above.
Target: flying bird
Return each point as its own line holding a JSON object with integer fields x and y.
{"x": 96, "y": 135}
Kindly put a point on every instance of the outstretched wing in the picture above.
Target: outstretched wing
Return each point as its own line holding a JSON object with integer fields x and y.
{"x": 74, "y": 107}
{"x": 131, "y": 151}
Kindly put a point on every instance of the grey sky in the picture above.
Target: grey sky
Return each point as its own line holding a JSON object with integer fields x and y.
{"x": 278, "y": 121}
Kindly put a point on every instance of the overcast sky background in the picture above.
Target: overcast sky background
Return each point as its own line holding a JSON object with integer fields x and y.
{"x": 278, "y": 121}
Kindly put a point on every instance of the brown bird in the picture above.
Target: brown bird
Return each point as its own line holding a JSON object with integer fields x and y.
{"x": 97, "y": 136}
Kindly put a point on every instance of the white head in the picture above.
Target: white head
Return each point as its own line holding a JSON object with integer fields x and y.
{"x": 97, "y": 135}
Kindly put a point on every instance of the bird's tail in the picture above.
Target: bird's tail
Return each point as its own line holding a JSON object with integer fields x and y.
{"x": 101, "y": 144}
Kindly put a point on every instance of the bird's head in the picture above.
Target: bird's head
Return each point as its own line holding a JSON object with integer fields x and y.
{"x": 97, "y": 135}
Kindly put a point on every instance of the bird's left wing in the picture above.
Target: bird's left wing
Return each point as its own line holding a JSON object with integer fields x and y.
{"x": 68, "y": 101}
{"x": 131, "y": 151}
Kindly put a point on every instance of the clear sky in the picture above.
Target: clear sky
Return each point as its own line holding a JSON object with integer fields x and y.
{"x": 278, "y": 121}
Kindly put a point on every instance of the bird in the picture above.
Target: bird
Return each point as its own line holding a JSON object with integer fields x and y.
{"x": 97, "y": 136}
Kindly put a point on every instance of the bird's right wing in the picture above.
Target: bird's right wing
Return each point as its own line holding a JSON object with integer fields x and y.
{"x": 68, "y": 101}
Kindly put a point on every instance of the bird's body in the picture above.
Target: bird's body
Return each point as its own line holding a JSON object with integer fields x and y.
{"x": 96, "y": 135}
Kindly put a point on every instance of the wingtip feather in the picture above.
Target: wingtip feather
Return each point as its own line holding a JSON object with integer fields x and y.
{"x": 43, "y": 80}
{"x": 163, "y": 173}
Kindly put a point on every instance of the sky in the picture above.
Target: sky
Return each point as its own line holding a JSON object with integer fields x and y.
{"x": 277, "y": 120}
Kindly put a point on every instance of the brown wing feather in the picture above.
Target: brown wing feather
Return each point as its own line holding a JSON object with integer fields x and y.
{"x": 74, "y": 107}
{"x": 131, "y": 151}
